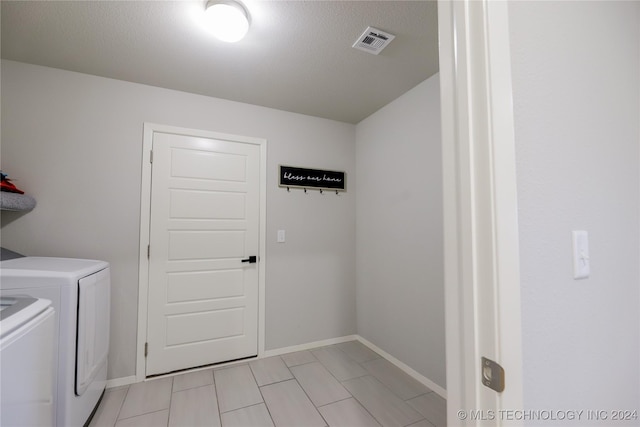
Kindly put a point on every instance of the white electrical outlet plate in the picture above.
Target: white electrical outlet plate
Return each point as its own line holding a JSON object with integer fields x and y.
{"x": 281, "y": 236}
{"x": 581, "y": 262}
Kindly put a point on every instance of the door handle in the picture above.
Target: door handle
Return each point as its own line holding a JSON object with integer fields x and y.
{"x": 251, "y": 260}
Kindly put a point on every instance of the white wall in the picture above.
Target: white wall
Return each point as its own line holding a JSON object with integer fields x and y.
{"x": 74, "y": 142}
{"x": 576, "y": 76}
{"x": 400, "y": 283}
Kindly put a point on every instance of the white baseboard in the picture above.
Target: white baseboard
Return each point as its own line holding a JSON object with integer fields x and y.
{"x": 406, "y": 368}
{"x": 119, "y": 382}
{"x": 401, "y": 365}
{"x": 309, "y": 346}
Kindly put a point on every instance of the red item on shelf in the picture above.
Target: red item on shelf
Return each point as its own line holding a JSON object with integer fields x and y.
{"x": 7, "y": 185}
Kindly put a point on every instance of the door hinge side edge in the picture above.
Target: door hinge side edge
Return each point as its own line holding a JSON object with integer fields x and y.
{"x": 151, "y": 156}
{"x": 146, "y": 349}
{"x": 148, "y": 251}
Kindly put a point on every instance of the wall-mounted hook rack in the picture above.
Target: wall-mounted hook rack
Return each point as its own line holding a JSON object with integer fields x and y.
{"x": 314, "y": 179}
{"x": 308, "y": 190}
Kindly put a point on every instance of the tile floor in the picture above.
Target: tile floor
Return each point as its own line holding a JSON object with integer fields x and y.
{"x": 340, "y": 385}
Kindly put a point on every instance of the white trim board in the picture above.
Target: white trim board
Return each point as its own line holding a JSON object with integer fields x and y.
{"x": 482, "y": 292}
{"x": 309, "y": 345}
{"x": 119, "y": 382}
{"x": 405, "y": 368}
{"x": 396, "y": 362}
{"x": 302, "y": 347}
{"x": 145, "y": 209}
{"x": 125, "y": 381}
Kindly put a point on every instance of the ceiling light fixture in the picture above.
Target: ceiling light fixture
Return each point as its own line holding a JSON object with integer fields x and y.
{"x": 229, "y": 19}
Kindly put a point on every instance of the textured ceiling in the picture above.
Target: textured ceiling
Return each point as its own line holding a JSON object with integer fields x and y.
{"x": 296, "y": 57}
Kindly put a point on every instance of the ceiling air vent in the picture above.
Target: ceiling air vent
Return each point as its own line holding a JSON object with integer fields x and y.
{"x": 373, "y": 40}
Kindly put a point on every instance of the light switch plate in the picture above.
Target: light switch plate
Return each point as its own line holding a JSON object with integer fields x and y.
{"x": 281, "y": 236}
{"x": 581, "y": 262}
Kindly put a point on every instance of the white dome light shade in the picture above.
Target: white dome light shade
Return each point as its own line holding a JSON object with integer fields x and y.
{"x": 228, "y": 19}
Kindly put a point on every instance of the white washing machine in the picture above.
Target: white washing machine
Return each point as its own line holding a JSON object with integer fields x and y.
{"x": 80, "y": 292}
{"x": 26, "y": 362}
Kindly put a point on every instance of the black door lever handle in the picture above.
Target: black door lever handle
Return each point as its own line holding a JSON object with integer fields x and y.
{"x": 251, "y": 260}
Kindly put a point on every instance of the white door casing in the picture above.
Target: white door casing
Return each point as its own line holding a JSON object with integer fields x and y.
{"x": 482, "y": 282}
{"x": 199, "y": 303}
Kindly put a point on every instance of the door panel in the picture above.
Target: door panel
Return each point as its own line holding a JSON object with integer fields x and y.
{"x": 203, "y": 285}
{"x": 202, "y": 300}
{"x": 201, "y": 244}
{"x": 191, "y": 163}
{"x": 187, "y": 328}
{"x": 186, "y": 204}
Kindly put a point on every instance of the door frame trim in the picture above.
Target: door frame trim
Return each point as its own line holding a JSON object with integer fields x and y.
{"x": 482, "y": 274}
{"x": 145, "y": 219}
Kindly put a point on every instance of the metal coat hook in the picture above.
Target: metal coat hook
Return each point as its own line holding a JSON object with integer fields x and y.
{"x": 305, "y": 191}
{"x": 337, "y": 194}
{"x": 321, "y": 191}
{"x": 288, "y": 190}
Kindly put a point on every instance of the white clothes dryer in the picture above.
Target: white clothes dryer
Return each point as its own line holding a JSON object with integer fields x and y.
{"x": 26, "y": 362}
{"x": 80, "y": 291}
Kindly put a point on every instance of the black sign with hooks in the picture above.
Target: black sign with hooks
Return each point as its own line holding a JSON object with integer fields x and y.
{"x": 291, "y": 177}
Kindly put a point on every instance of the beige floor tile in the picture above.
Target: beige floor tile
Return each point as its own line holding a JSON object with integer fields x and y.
{"x": 321, "y": 387}
{"x": 432, "y": 407}
{"x": 153, "y": 419}
{"x": 236, "y": 388}
{"x": 289, "y": 406}
{"x": 146, "y": 397}
{"x": 423, "y": 423}
{"x": 192, "y": 380}
{"x": 270, "y": 370}
{"x": 347, "y": 413}
{"x": 387, "y": 408}
{"x": 254, "y": 416}
{"x": 107, "y": 413}
{"x": 358, "y": 351}
{"x": 194, "y": 407}
{"x": 338, "y": 363}
{"x": 298, "y": 358}
{"x": 305, "y": 388}
{"x": 395, "y": 379}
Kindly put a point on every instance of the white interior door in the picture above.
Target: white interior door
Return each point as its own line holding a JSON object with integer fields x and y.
{"x": 204, "y": 227}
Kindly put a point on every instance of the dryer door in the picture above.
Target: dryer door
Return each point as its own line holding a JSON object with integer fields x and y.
{"x": 93, "y": 327}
